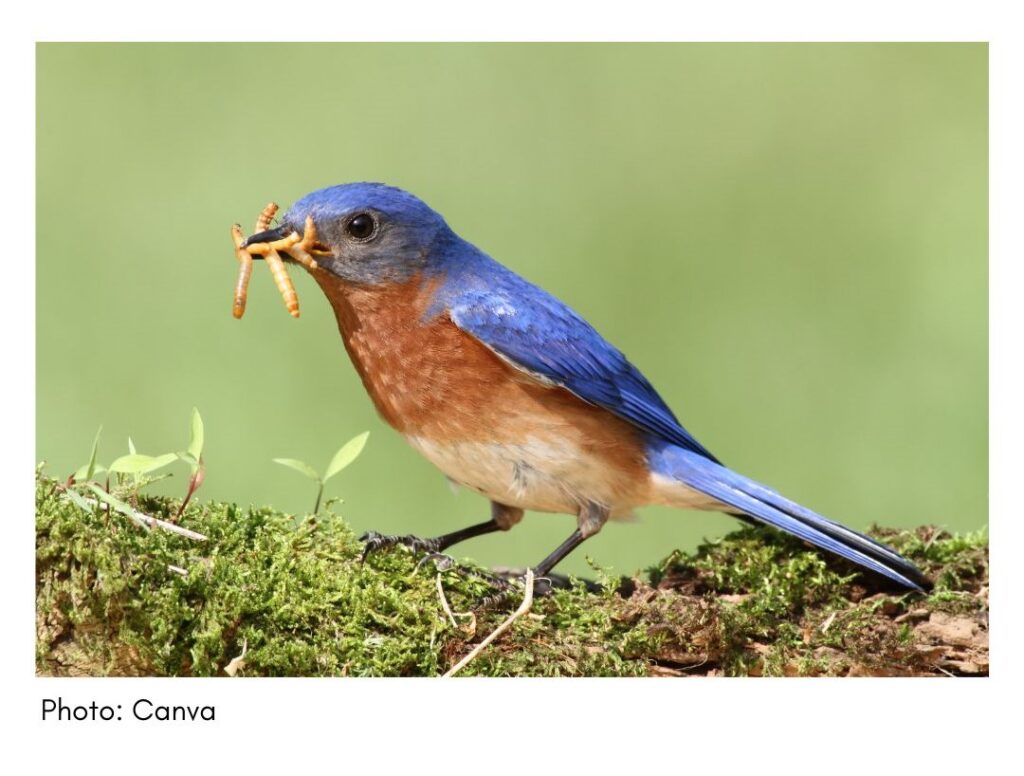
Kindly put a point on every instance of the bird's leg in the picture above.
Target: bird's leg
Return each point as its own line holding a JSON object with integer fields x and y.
{"x": 502, "y": 518}
{"x": 589, "y": 521}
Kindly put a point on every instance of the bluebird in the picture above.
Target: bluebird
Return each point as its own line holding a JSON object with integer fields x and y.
{"x": 511, "y": 393}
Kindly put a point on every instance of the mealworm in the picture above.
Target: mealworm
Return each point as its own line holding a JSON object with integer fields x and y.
{"x": 308, "y": 241}
{"x": 244, "y": 272}
{"x": 282, "y": 281}
{"x": 265, "y": 217}
{"x": 299, "y": 248}
{"x": 302, "y": 257}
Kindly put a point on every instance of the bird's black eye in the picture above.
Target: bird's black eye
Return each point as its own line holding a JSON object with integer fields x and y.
{"x": 361, "y": 226}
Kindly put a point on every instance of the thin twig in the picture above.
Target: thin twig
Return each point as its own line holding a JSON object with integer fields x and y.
{"x": 147, "y": 521}
{"x": 444, "y": 602}
{"x": 470, "y": 627}
{"x": 524, "y": 607}
{"x": 153, "y": 522}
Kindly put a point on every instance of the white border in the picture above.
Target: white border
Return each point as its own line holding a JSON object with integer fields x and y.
{"x": 590, "y": 725}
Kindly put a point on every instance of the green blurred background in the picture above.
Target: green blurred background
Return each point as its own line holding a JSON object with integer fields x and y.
{"x": 789, "y": 240}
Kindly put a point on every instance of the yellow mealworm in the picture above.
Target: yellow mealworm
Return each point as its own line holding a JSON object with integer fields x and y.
{"x": 265, "y": 217}
{"x": 244, "y": 272}
{"x": 242, "y": 287}
{"x": 298, "y": 249}
{"x": 282, "y": 281}
{"x": 302, "y": 257}
{"x": 309, "y": 240}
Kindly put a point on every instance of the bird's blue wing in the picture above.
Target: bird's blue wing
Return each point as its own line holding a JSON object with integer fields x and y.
{"x": 540, "y": 335}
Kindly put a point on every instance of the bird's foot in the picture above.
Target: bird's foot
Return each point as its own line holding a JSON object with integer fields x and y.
{"x": 375, "y": 542}
{"x": 441, "y": 561}
{"x": 510, "y": 590}
{"x": 444, "y": 562}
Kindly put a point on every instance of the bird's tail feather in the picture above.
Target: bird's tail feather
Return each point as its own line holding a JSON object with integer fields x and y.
{"x": 767, "y": 506}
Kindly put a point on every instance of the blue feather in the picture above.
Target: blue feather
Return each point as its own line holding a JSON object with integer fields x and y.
{"x": 767, "y": 506}
{"x": 543, "y": 336}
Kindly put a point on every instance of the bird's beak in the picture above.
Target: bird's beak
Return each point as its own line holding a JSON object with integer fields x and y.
{"x": 269, "y": 236}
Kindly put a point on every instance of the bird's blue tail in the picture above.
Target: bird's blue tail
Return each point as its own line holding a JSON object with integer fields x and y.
{"x": 676, "y": 465}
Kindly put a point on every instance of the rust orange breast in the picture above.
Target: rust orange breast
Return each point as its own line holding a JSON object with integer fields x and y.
{"x": 412, "y": 369}
{"x": 431, "y": 379}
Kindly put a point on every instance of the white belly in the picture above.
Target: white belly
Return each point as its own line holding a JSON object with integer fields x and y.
{"x": 540, "y": 475}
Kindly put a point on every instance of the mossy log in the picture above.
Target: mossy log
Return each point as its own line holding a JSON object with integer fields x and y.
{"x": 273, "y": 594}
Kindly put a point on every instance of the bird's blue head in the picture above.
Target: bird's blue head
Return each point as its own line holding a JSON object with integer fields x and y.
{"x": 374, "y": 233}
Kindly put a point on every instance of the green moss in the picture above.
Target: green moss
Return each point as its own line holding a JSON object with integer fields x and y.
{"x": 291, "y": 592}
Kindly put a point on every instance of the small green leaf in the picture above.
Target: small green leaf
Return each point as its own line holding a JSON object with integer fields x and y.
{"x": 299, "y": 466}
{"x": 195, "y": 442}
{"x": 83, "y": 470}
{"x": 346, "y": 455}
{"x": 131, "y": 464}
{"x": 160, "y": 461}
{"x": 116, "y": 503}
{"x": 188, "y": 458}
{"x": 75, "y": 498}
{"x": 91, "y": 468}
{"x": 141, "y": 464}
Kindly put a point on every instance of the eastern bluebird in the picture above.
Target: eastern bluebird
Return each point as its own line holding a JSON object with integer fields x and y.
{"x": 511, "y": 393}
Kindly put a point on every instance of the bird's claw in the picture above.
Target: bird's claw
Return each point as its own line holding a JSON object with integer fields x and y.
{"x": 375, "y": 542}
{"x": 442, "y": 562}
{"x": 510, "y": 590}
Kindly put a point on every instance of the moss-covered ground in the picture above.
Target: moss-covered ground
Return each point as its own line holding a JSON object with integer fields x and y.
{"x": 272, "y": 594}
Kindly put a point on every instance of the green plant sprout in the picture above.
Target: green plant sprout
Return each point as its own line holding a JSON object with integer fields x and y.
{"x": 138, "y": 466}
{"x": 345, "y": 456}
{"x": 193, "y": 456}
